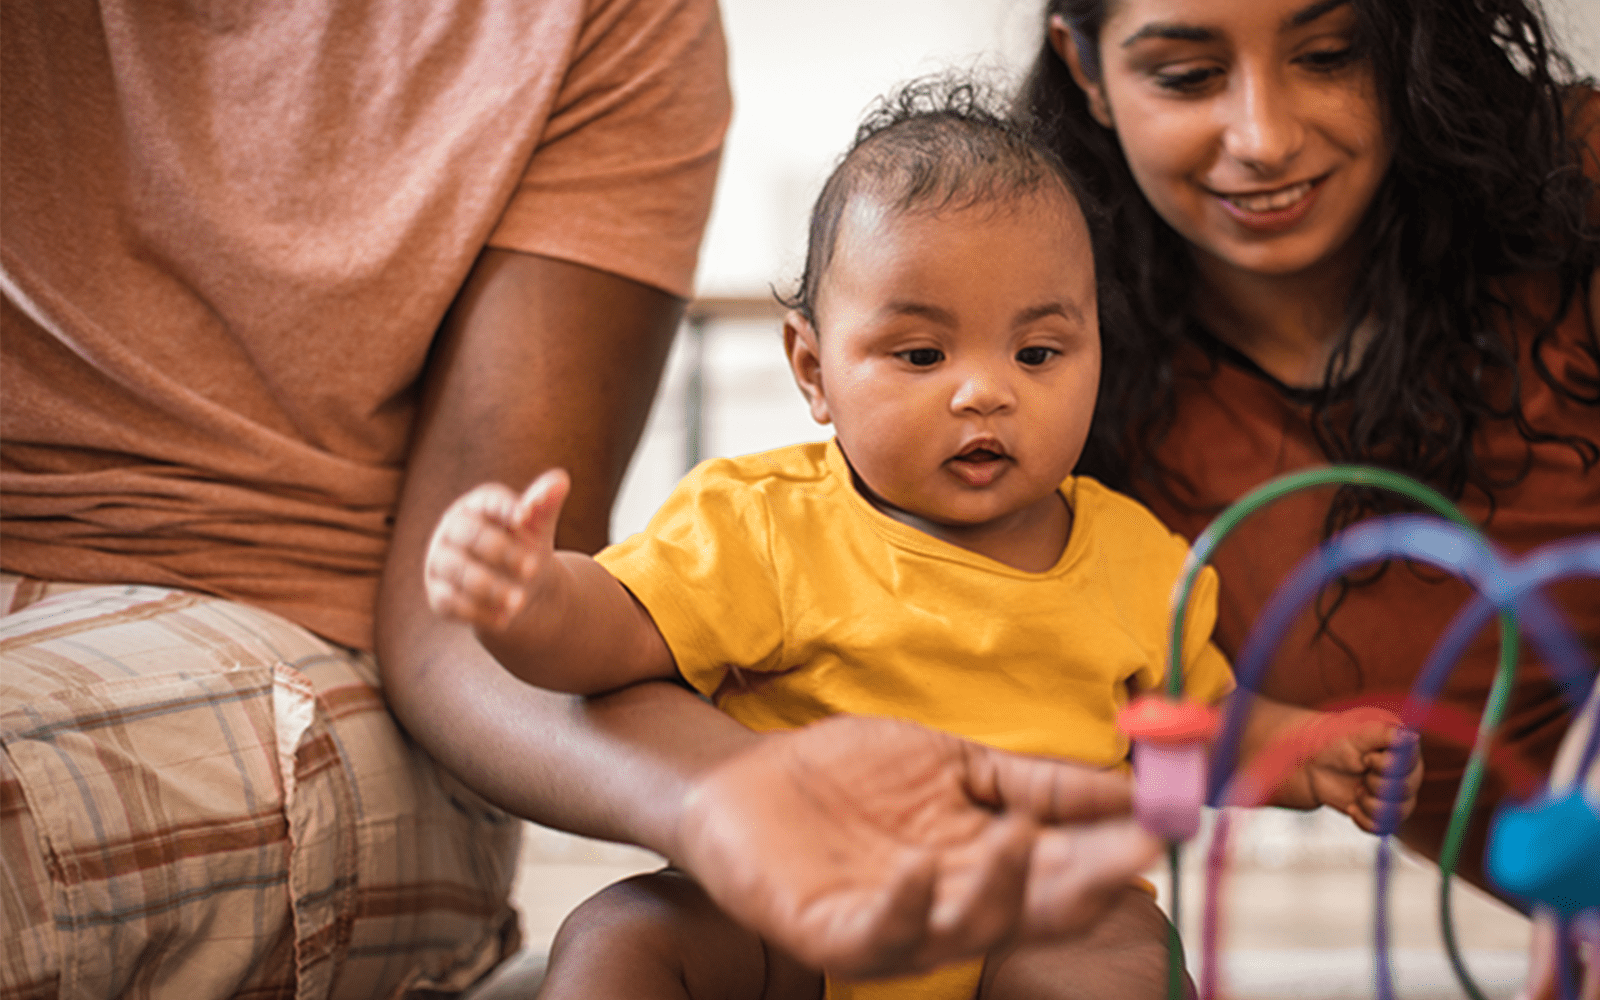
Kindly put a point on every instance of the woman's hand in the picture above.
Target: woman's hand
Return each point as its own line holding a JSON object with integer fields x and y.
{"x": 868, "y": 846}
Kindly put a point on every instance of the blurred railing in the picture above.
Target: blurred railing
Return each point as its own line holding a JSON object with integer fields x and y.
{"x": 700, "y": 315}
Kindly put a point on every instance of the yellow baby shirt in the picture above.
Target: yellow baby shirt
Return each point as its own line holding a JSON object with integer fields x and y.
{"x": 786, "y": 597}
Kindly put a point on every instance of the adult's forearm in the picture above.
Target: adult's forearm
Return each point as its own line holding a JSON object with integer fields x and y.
{"x": 541, "y": 363}
{"x": 615, "y": 767}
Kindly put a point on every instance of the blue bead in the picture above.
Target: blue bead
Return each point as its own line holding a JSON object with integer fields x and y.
{"x": 1548, "y": 850}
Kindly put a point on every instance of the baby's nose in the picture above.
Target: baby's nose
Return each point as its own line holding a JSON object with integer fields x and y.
{"x": 982, "y": 391}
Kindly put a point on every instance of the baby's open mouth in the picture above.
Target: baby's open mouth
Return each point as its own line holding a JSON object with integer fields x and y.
{"x": 981, "y": 463}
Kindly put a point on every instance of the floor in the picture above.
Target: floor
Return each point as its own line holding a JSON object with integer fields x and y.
{"x": 1296, "y": 919}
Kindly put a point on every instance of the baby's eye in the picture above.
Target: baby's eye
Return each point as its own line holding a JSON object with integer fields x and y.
{"x": 1035, "y": 356}
{"x": 921, "y": 357}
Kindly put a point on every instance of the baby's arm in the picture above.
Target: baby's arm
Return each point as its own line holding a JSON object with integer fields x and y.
{"x": 556, "y": 619}
{"x": 1339, "y": 759}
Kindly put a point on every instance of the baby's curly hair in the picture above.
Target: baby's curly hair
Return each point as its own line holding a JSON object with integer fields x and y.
{"x": 939, "y": 143}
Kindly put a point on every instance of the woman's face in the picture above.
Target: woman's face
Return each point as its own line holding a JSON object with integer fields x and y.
{"x": 1252, "y": 126}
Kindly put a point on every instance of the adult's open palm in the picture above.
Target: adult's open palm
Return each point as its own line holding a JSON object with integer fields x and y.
{"x": 869, "y": 846}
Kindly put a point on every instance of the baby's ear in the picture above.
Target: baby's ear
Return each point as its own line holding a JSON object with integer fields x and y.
{"x": 800, "y": 342}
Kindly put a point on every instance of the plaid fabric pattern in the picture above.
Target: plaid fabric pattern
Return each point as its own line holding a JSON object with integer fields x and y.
{"x": 199, "y": 799}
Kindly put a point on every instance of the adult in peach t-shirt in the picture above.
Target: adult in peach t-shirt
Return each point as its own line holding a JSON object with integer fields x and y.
{"x": 274, "y": 276}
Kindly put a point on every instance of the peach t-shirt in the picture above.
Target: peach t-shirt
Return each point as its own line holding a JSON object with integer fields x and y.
{"x": 231, "y": 232}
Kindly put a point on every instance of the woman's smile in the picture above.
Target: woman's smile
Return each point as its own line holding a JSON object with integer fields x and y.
{"x": 1272, "y": 210}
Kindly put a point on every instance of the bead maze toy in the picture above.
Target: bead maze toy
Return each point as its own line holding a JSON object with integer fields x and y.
{"x": 1545, "y": 850}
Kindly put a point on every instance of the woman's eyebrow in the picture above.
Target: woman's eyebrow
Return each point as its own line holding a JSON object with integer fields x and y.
{"x": 1310, "y": 13}
{"x": 1170, "y": 30}
{"x": 1176, "y": 31}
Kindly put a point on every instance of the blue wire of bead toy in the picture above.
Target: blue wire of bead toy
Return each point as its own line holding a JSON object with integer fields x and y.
{"x": 1200, "y": 552}
{"x": 1516, "y": 588}
{"x": 1459, "y": 549}
{"x": 1420, "y": 539}
{"x": 1501, "y": 587}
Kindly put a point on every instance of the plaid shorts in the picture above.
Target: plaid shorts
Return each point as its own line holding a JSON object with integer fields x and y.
{"x": 199, "y": 799}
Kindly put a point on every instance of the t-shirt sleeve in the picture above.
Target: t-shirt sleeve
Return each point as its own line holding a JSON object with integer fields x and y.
{"x": 621, "y": 180}
{"x": 1149, "y": 558}
{"x": 703, "y": 570}
{"x": 1207, "y": 676}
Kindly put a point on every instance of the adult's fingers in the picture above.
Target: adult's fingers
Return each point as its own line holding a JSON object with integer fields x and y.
{"x": 1049, "y": 791}
{"x": 1077, "y": 871}
{"x": 981, "y": 892}
{"x": 1544, "y": 979}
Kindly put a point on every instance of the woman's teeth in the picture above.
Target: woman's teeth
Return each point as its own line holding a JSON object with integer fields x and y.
{"x": 1272, "y": 201}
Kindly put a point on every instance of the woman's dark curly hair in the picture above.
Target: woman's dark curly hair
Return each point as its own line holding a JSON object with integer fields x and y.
{"x": 1485, "y": 182}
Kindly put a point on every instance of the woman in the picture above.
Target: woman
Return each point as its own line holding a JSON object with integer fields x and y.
{"x": 1346, "y": 231}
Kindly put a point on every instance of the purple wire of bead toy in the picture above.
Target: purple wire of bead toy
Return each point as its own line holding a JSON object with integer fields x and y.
{"x": 1501, "y": 586}
{"x": 1509, "y": 587}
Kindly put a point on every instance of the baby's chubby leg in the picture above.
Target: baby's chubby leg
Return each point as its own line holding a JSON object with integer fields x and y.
{"x": 659, "y": 936}
{"x": 1122, "y": 957}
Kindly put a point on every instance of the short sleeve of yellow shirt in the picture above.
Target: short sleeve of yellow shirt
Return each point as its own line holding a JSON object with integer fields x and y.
{"x": 786, "y": 597}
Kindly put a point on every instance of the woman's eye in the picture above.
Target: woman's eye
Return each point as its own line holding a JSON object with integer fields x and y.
{"x": 1187, "y": 81}
{"x": 922, "y": 357}
{"x": 1035, "y": 356}
{"x": 1329, "y": 60}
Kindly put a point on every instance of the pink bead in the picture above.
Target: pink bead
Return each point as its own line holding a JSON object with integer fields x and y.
{"x": 1169, "y": 787}
{"x": 1169, "y": 763}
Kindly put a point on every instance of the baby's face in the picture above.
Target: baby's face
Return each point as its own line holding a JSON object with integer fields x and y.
{"x": 959, "y": 354}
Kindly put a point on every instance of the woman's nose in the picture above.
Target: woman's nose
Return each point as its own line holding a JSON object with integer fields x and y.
{"x": 1262, "y": 128}
{"x": 982, "y": 392}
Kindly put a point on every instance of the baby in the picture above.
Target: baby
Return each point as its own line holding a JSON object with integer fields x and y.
{"x": 935, "y": 561}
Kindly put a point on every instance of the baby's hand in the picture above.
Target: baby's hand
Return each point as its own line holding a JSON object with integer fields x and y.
{"x": 1349, "y": 773}
{"x": 490, "y": 548}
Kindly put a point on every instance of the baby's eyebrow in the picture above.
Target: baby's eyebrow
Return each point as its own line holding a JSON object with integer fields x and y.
{"x": 926, "y": 310}
{"x": 1066, "y": 310}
